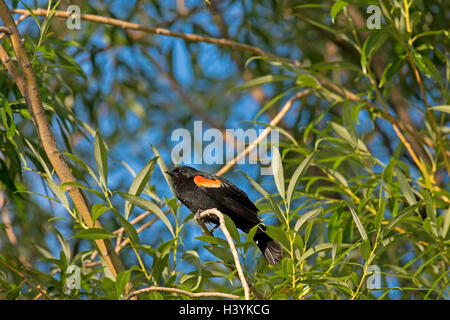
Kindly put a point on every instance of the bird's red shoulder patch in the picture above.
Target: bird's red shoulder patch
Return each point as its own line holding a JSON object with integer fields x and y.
{"x": 205, "y": 182}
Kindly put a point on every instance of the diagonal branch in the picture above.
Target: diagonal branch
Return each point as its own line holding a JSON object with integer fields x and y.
{"x": 265, "y": 132}
{"x": 160, "y": 31}
{"x": 35, "y": 107}
{"x": 199, "y": 217}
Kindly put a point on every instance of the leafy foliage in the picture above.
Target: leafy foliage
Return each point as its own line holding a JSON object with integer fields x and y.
{"x": 361, "y": 176}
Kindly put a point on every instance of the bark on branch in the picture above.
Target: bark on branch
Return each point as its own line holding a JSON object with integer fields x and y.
{"x": 199, "y": 217}
{"x": 29, "y": 87}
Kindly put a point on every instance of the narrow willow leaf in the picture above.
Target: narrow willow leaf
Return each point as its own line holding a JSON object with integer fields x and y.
{"x": 128, "y": 227}
{"x": 94, "y": 233}
{"x": 442, "y": 108}
{"x": 277, "y": 171}
{"x": 371, "y": 45}
{"x": 150, "y": 206}
{"x": 98, "y": 209}
{"x": 101, "y": 158}
{"x": 163, "y": 168}
{"x": 336, "y": 8}
{"x": 391, "y": 70}
{"x": 445, "y": 224}
{"x": 274, "y": 205}
{"x": 231, "y": 227}
{"x": 364, "y": 249}
{"x": 296, "y": 176}
{"x": 308, "y": 81}
{"x": 139, "y": 183}
{"x": 272, "y": 102}
{"x": 358, "y": 223}
{"x": 336, "y": 244}
{"x": 306, "y": 217}
{"x": 122, "y": 279}
{"x": 59, "y": 192}
{"x": 406, "y": 189}
{"x": 401, "y": 215}
{"x": 380, "y": 213}
{"x": 84, "y": 165}
{"x": 262, "y": 80}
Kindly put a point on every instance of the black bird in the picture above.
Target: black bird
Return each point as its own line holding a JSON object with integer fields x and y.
{"x": 200, "y": 191}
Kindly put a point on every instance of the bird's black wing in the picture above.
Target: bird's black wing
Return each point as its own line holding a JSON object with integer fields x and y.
{"x": 231, "y": 197}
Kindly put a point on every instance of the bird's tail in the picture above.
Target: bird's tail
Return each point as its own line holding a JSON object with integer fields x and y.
{"x": 270, "y": 248}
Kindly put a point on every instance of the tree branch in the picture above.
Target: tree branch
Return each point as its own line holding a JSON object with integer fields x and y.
{"x": 180, "y": 291}
{"x": 199, "y": 217}
{"x": 265, "y": 132}
{"x": 35, "y": 107}
{"x": 160, "y": 31}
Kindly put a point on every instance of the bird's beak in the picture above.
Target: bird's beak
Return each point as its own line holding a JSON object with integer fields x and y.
{"x": 170, "y": 173}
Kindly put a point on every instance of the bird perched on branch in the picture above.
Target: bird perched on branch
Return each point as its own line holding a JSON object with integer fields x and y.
{"x": 200, "y": 191}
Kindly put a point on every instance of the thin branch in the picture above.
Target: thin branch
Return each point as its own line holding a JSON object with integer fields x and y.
{"x": 25, "y": 279}
{"x": 180, "y": 291}
{"x": 160, "y": 31}
{"x": 265, "y": 132}
{"x": 199, "y": 217}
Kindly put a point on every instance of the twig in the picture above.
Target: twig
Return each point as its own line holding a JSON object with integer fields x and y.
{"x": 265, "y": 132}
{"x": 180, "y": 291}
{"x": 199, "y": 217}
{"x": 20, "y": 274}
{"x": 160, "y": 31}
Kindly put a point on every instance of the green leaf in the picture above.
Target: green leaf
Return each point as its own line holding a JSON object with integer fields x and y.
{"x": 336, "y": 8}
{"x": 59, "y": 192}
{"x": 380, "y": 213}
{"x": 336, "y": 244}
{"x": 94, "y": 234}
{"x": 371, "y": 45}
{"x": 308, "y": 81}
{"x": 445, "y": 224}
{"x": 98, "y": 209}
{"x": 442, "y": 108}
{"x": 358, "y": 223}
{"x": 277, "y": 171}
{"x": 231, "y": 227}
{"x": 101, "y": 158}
{"x": 427, "y": 67}
{"x": 296, "y": 176}
{"x": 163, "y": 168}
{"x": 213, "y": 240}
{"x": 128, "y": 227}
{"x": 392, "y": 69}
{"x": 272, "y": 102}
{"x": 402, "y": 215}
{"x": 306, "y": 217}
{"x": 122, "y": 279}
{"x": 139, "y": 182}
{"x": 406, "y": 189}
{"x": 250, "y": 236}
{"x": 278, "y": 234}
{"x": 82, "y": 164}
{"x": 364, "y": 249}
{"x": 149, "y": 206}
{"x": 262, "y": 80}
{"x": 275, "y": 207}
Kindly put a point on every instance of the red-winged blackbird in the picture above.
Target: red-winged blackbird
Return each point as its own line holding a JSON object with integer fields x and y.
{"x": 200, "y": 191}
